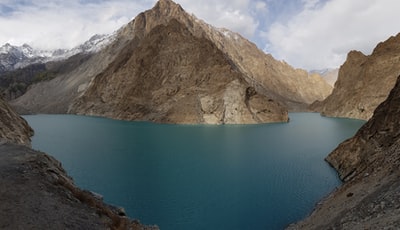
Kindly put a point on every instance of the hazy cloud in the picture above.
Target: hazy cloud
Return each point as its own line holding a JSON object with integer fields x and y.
{"x": 57, "y": 23}
{"x": 54, "y": 24}
{"x": 305, "y": 33}
{"x": 235, "y": 15}
{"x": 321, "y": 36}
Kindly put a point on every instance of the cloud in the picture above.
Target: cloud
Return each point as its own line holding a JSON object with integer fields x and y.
{"x": 320, "y": 36}
{"x": 309, "y": 34}
{"x": 51, "y": 24}
{"x": 236, "y": 15}
{"x": 261, "y": 6}
{"x": 63, "y": 24}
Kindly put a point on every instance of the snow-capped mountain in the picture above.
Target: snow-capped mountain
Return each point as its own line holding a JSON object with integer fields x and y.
{"x": 15, "y": 57}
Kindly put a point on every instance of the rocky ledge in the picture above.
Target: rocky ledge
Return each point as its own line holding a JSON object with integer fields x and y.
{"x": 36, "y": 193}
{"x": 369, "y": 165}
{"x": 13, "y": 128}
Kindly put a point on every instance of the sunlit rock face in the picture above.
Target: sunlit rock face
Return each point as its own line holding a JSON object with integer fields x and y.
{"x": 169, "y": 66}
{"x": 368, "y": 163}
{"x": 364, "y": 82}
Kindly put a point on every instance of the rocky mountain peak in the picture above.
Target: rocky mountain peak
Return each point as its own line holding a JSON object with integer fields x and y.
{"x": 15, "y": 57}
{"x": 168, "y": 66}
{"x": 388, "y": 46}
{"x": 364, "y": 81}
{"x": 165, "y": 7}
{"x": 162, "y": 12}
{"x": 355, "y": 55}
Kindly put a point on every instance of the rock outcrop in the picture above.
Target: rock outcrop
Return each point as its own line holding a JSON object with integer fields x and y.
{"x": 13, "y": 128}
{"x": 186, "y": 74}
{"x": 171, "y": 76}
{"x": 369, "y": 164}
{"x": 364, "y": 82}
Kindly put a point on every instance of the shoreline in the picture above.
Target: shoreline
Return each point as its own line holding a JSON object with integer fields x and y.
{"x": 36, "y": 192}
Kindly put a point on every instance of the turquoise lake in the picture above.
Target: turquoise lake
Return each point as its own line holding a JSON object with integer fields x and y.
{"x": 198, "y": 176}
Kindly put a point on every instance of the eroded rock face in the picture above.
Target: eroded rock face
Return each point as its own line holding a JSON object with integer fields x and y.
{"x": 182, "y": 76}
{"x": 13, "y": 128}
{"x": 369, "y": 164}
{"x": 172, "y": 76}
{"x": 371, "y": 143}
{"x": 364, "y": 82}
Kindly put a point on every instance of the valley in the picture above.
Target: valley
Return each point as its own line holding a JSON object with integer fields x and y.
{"x": 168, "y": 68}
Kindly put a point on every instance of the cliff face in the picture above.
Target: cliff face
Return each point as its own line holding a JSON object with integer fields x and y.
{"x": 13, "y": 128}
{"x": 172, "y": 76}
{"x": 370, "y": 146}
{"x": 364, "y": 82}
{"x": 168, "y": 66}
{"x": 369, "y": 164}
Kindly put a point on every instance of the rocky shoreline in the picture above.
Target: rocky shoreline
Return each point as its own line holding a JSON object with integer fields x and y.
{"x": 36, "y": 193}
{"x": 368, "y": 163}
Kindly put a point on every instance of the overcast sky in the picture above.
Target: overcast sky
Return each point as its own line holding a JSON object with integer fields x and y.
{"x": 310, "y": 34}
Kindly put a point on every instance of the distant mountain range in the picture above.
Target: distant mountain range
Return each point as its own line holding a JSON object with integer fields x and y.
{"x": 330, "y": 75}
{"x": 16, "y": 57}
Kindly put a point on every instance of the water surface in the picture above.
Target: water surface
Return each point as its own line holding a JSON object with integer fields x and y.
{"x": 199, "y": 176}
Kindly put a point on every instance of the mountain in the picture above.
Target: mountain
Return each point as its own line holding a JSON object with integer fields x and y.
{"x": 14, "y": 57}
{"x": 364, "y": 82}
{"x": 329, "y": 75}
{"x": 169, "y": 66}
{"x": 13, "y": 128}
{"x": 369, "y": 164}
{"x": 17, "y": 57}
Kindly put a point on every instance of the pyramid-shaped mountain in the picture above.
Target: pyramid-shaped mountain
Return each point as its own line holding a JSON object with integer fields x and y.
{"x": 168, "y": 66}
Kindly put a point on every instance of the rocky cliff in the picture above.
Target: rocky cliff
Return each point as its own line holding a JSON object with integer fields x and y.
{"x": 369, "y": 164}
{"x": 172, "y": 76}
{"x": 13, "y": 128}
{"x": 364, "y": 82}
{"x": 169, "y": 66}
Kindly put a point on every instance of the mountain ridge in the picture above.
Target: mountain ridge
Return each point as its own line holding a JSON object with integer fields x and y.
{"x": 363, "y": 82}
{"x": 16, "y": 57}
{"x": 275, "y": 80}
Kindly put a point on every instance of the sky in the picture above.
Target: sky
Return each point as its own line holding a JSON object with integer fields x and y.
{"x": 308, "y": 34}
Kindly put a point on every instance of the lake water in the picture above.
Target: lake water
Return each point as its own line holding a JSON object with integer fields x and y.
{"x": 198, "y": 176}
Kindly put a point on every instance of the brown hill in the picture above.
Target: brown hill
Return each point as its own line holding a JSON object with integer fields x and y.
{"x": 364, "y": 82}
{"x": 156, "y": 79}
{"x": 168, "y": 66}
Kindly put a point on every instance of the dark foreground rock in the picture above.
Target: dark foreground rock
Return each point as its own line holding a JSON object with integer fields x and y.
{"x": 369, "y": 164}
{"x": 36, "y": 193}
{"x": 13, "y": 128}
